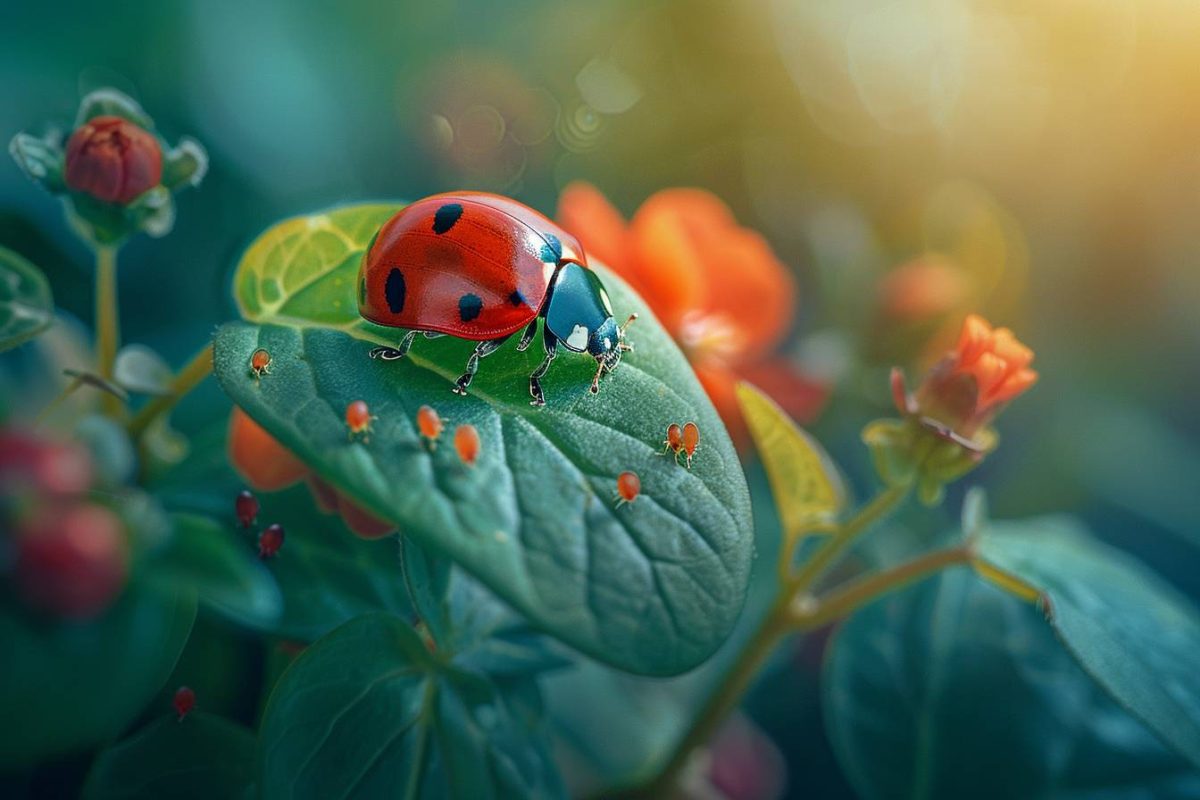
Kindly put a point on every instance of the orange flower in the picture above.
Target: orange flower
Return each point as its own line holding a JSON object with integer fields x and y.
{"x": 969, "y": 386}
{"x": 715, "y": 286}
{"x": 268, "y": 466}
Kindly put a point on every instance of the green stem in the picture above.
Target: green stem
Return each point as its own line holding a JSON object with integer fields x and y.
{"x": 108, "y": 326}
{"x": 196, "y": 370}
{"x": 851, "y": 596}
{"x": 723, "y": 700}
{"x": 835, "y": 545}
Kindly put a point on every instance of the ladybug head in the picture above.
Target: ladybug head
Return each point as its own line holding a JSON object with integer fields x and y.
{"x": 607, "y": 344}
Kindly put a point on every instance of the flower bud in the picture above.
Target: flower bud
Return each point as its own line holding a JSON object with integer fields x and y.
{"x": 113, "y": 160}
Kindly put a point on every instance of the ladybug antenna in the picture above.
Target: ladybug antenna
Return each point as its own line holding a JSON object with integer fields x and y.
{"x": 632, "y": 317}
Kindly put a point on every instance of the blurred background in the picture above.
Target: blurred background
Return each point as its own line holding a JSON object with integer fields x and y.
{"x": 909, "y": 161}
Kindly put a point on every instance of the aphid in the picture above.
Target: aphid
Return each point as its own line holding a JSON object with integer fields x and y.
{"x": 246, "y": 508}
{"x": 674, "y": 441}
{"x": 466, "y": 443}
{"x": 270, "y": 540}
{"x": 429, "y": 424}
{"x": 629, "y": 485}
{"x": 260, "y": 363}
{"x": 691, "y": 440}
{"x": 482, "y": 267}
{"x": 358, "y": 419}
{"x": 184, "y": 701}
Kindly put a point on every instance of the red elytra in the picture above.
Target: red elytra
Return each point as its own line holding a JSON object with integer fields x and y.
{"x": 478, "y": 275}
{"x": 246, "y": 508}
{"x": 269, "y": 541}
{"x": 184, "y": 701}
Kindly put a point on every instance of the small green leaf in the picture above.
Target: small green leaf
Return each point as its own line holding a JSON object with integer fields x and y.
{"x": 142, "y": 371}
{"x": 951, "y": 689}
{"x": 91, "y": 679}
{"x": 110, "y": 102}
{"x": 652, "y": 587}
{"x": 367, "y": 711}
{"x": 1132, "y": 632}
{"x": 26, "y": 307}
{"x": 40, "y": 158}
{"x": 186, "y": 163}
{"x": 209, "y": 558}
{"x": 200, "y": 756}
{"x": 804, "y": 480}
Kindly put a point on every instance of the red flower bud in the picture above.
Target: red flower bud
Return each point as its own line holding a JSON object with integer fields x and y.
{"x": 72, "y": 561}
{"x": 113, "y": 160}
{"x": 184, "y": 701}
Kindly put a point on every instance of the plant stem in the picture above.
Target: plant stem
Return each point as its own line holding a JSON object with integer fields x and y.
{"x": 834, "y": 546}
{"x": 855, "y": 594}
{"x": 778, "y": 623}
{"x": 188, "y": 378}
{"x": 108, "y": 326}
{"x": 724, "y": 698}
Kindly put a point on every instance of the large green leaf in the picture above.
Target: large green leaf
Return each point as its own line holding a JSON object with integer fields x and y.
{"x": 953, "y": 689}
{"x": 652, "y": 587}
{"x": 1131, "y": 631}
{"x": 368, "y": 711}
{"x": 65, "y": 686}
{"x": 200, "y": 756}
{"x": 26, "y": 308}
{"x": 209, "y": 558}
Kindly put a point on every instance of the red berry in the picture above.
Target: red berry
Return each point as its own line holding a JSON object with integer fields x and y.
{"x": 185, "y": 701}
{"x": 466, "y": 443}
{"x": 429, "y": 424}
{"x": 270, "y": 540}
{"x": 691, "y": 440}
{"x": 358, "y": 417}
{"x": 43, "y": 465}
{"x": 113, "y": 160}
{"x": 260, "y": 362}
{"x": 629, "y": 486}
{"x": 72, "y": 561}
{"x": 246, "y": 507}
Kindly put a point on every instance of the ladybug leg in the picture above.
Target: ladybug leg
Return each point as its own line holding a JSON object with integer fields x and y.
{"x": 395, "y": 353}
{"x": 527, "y": 336}
{"x": 550, "y": 344}
{"x": 482, "y": 350}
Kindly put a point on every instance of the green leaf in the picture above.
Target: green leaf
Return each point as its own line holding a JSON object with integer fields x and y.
{"x": 64, "y": 687}
{"x": 952, "y": 689}
{"x": 1132, "y": 632}
{"x": 804, "y": 480}
{"x": 200, "y": 756}
{"x": 41, "y": 159}
{"x": 187, "y": 163}
{"x": 367, "y": 711}
{"x": 26, "y": 307}
{"x": 209, "y": 558}
{"x": 112, "y": 103}
{"x": 653, "y": 587}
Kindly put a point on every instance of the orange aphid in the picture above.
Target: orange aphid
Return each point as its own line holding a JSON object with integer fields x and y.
{"x": 674, "y": 440}
{"x": 466, "y": 443}
{"x": 260, "y": 362}
{"x": 429, "y": 424}
{"x": 629, "y": 486}
{"x": 691, "y": 440}
{"x": 358, "y": 418}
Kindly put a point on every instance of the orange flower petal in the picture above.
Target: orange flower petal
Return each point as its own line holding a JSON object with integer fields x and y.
{"x": 748, "y": 284}
{"x": 798, "y": 395}
{"x": 924, "y": 288}
{"x": 361, "y": 521}
{"x": 1006, "y": 346}
{"x": 720, "y": 383}
{"x": 324, "y": 495}
{"x": 974, "y": 339}
{"x": 671, "y": 233}
{"x": 262, "y": 462}
{"x": 600, "y": 228}
{"x": 1015, "y": 385}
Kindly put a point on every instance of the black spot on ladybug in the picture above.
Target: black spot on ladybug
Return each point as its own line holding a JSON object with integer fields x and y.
{"x": 516, "y": 298}
{"x": 394, "y": 291}
{"x": 552, "y": 249}
{"x": 469, "y": 306}
{"x": 446, "y": 216}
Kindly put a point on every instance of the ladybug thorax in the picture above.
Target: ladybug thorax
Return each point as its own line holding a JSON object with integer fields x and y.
{"x": 580, "y": 313}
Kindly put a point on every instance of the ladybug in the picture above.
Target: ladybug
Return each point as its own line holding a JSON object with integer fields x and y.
{"x": 481, "y": 267}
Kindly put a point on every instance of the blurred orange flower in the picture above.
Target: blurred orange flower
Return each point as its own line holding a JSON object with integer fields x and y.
{"x": 715, "y": 286}
{"x": 268, "y": 466}
{"x": 969, "y": 386}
